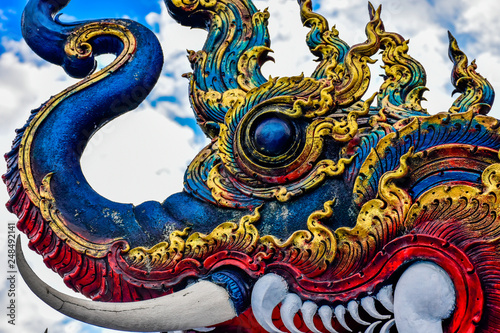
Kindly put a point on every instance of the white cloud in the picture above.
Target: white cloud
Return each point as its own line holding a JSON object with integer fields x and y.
{"x": 140, "y": 156}
{"x": 67, "y": 18}
{"x": 25, "y": 85}
{"x": 291, "y": 55}
{"x": 22, "y": 51}
{"x": 480, "y": 20}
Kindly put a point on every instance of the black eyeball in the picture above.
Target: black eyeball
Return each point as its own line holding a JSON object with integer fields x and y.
{"x": 273, "y": 136}
{"x": 269, "y": 146}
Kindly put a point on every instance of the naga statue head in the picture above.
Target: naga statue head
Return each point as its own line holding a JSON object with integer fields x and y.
{"x": 316, "y": 207}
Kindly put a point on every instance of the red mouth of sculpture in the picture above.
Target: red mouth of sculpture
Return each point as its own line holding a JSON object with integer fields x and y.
{"x": 364, "y": 301}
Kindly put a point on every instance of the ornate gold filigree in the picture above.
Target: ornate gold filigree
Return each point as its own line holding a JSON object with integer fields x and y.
{"x": 379, "y": 221}
{"x": 254, "y": 57}
{"x": 250, "y": 60}
{"x": 302, "y": 172}
{"x": 193, "y": 4}
{"x": 305, "y": 160}
{"x": 323, "y": 42}
{"x": 355, "y": 74}
{"x": 473, "y": 210}
{"x": 163, "y": 255}
{"x": 347, "y": 128}
{"x": 367, "y": 171}
{"x": 229, "y": 236}
{"x": 312, "y": 250}
{"x": 477, "y": 92}
{"x": 284, "y": 193}
{"x": 392, "y": 203}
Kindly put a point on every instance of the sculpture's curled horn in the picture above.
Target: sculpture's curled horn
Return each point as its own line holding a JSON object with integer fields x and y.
{"x": 475, "y": 91}
{"x": 238, "y": 42}
{"x": 323, "y": 42}
{"x": 344, "y": 69}
{"x": 356, "y": 77}
{"x": 201, "y": 304}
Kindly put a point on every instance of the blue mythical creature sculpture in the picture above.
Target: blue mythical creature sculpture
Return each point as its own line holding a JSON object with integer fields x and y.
{"x": 314, "y": 208}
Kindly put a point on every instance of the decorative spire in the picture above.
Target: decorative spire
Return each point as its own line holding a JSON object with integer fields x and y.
{"x": 475, "y": 91}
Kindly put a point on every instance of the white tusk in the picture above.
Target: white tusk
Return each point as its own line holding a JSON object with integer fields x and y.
{"x": 340, "y": 315}
{"x": 353, "y": 308}
{"x": 289, "y": 308}
{"x": 368, "y": 304}
{"x": 423, "y": 298}
{"x": 386, "y": 298}
{"x": 267, "y": 293}
{"x": 201, "y": 304}
{"x": 308, "y": 310}
{"x": 325, "y": 313}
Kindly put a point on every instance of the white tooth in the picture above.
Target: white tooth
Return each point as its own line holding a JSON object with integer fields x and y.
{"x": 424, "y": 296}
{"x": 325, "y": 313}
{"x": 368, "y": 304}
{"x": 340, "y": 314}
{"x": 289, "y": 308}
{"x": 267, "y": 293}
{"x": 308, "y": 311}
{"x": 352, "y": 307}
{"x": 387, "y": 326}
{"x": 203, "y": 329}
{"x": 371, "y": 328}
{"x": 386, "y": 297}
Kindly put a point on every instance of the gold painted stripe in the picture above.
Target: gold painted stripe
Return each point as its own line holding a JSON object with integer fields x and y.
{"x": 77, "y": 46}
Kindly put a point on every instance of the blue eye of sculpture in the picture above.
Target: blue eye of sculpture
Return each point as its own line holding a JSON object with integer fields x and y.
{"x": 273, "y": 136}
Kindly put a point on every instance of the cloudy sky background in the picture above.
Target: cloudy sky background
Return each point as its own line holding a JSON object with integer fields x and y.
{"x": 142, "y": 155}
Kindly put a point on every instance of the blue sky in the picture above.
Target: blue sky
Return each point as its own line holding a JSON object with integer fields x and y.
{"x": 161, "y": 133}
{"x": 81, "y": 10}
